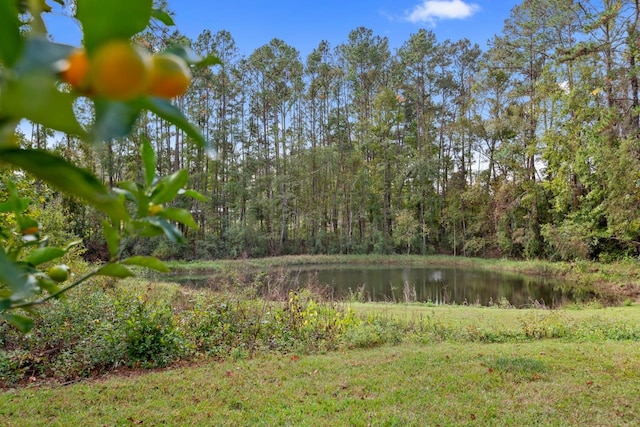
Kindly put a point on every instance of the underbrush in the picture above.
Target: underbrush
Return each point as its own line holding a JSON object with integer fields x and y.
{"x": 139, "y": 324}
{"x": 149, "y": 325}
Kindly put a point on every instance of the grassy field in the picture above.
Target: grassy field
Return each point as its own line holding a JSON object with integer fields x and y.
{"x": 591, "y": 381}
{"x": 397, "y": 365}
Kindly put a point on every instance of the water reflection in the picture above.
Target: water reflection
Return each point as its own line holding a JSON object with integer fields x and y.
{"x": 435, "y": 284}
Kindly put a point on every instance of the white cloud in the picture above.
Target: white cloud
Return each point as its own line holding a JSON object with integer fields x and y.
{"x": 430, "y": 10}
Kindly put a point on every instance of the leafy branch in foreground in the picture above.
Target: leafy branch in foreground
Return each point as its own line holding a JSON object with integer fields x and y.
{"x": 40, "y": 81}
{"x": 26, "y": 248}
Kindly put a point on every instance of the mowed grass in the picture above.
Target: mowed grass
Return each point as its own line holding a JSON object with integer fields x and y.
{"x": 461, "y": 317}
{"x": 543, "y": 382}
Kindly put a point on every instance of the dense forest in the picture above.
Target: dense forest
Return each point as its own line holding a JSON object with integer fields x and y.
{"x": 526, "y": 149}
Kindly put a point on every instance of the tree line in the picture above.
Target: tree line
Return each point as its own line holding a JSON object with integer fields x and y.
{"x": 528, "y": 148}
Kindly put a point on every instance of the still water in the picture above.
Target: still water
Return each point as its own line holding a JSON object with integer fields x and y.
{"x": 435, "y": 284}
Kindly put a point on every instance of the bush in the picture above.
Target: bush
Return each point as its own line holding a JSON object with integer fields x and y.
{"x": 219, "y": 328}
{"x": 150, "y": 334}
{"x": 72, "y": 338}
{"x": 305, "y": 325}
{"x": 13, "y": 366}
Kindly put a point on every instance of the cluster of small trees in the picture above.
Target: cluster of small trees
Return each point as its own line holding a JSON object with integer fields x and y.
{"x": 526, "y": 149}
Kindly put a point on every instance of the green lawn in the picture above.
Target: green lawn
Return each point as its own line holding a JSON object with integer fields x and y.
{"x": 594, "y": 381}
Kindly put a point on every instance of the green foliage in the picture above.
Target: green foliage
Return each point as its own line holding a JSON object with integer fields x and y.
{"x": 151, "y": 336}
{"x": 307, "y": 325}
{"x": 30, "y": 74}
{"x": 101, "y": 24}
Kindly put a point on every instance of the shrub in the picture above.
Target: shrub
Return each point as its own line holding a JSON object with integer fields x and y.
{"x": 219, "y": 328}
{"x": 150, "y": 334}
{"x": 72, "y": 338}
{"x": 13, "y": 366}
{"x": 305, "y": 325}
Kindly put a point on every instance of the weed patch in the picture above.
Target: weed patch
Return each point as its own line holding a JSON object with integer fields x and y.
{"x": 518, "y": 368}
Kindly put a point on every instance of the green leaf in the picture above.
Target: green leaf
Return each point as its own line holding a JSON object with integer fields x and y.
{"x": 167, "y": 189}
{"x": 166, "y": 110}
{"x": 131, "y": 190}
{"x": 179, "y": 215}
{"x": 112, "y": 236}
{"x": 113, "y": 19}
{"x": 37, "y": 98}
{"x": 147, "y": 261}
{"x": 193, "y": 194}
{"x": 114, "y": 119}
{"x": 143, "y": 228}
{"x": 192, "y": 58}
{"x": 11, "y": 45}
{"x": 18, "y": 205}
{"x": 22, "y": 323}
{"x": 169, "y": 229}
{"x": 49, "y": 285}
{"x": 67, "y": 177}
{"x": 115, "y": 270}
{"x": 71, "y": 244}
{"x": 18, "y": 282}
{"x": 163, "y": 17}
{"x": 42, "y": 255}
{"x": 149, "y": 162}
{"x": 41, "y": 55}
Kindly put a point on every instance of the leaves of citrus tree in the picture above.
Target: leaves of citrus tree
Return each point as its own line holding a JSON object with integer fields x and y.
{"x": 169, "y": 186}
{"x": 193, "y": 194}
{"x": 113, "y": 19}
{"x": 115, "y": 270}
{"x": 169, "y": 229}
{"x": 35, "y": 97}
{"x": 112, "y": 237}
{"x": 42, "y": 255}
{"x": 163, "y": 16}
{"x": 165, "y": 110}
{"x": 113, "y": 119}
{"x": 23, "y": 324}
{"x": 179, "y": 215}
{"x": 9, "y": 32}
{"x": 41, "y": 55}
{"x": 193, "y": 58}
{"x": 147, "y": 261}
{"x": 149, "y": 162}
{"x": 66, "y": 177}
{"x": 18, "y": 206}
{"x": 15, "y": 279}
{"x": 10, "y": 274}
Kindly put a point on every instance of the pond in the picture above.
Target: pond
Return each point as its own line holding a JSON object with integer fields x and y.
{"x": 438, "y": 285}
{"x": 408, "y": 283}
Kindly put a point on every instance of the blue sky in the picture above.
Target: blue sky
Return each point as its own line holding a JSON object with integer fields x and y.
{"x": 303, "y": 24}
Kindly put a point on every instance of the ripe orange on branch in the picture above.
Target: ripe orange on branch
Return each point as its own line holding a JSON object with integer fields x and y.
{"x": 170, "y": 76}
{"x": 76, "y": 70}
{"x": 119, "y": 71}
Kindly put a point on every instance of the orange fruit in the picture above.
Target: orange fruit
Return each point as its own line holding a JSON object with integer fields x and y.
{"x": 30, "y": 231}
{"x": 170, "y": 76}
{"x": 119, "y": 71}
{"x": 76, "y": 70}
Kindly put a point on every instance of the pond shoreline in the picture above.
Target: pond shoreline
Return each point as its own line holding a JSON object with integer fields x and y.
{"x": 611, "y": 284}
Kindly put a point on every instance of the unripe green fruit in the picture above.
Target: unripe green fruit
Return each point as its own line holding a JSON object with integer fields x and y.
{"x": 58, "y": 273}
